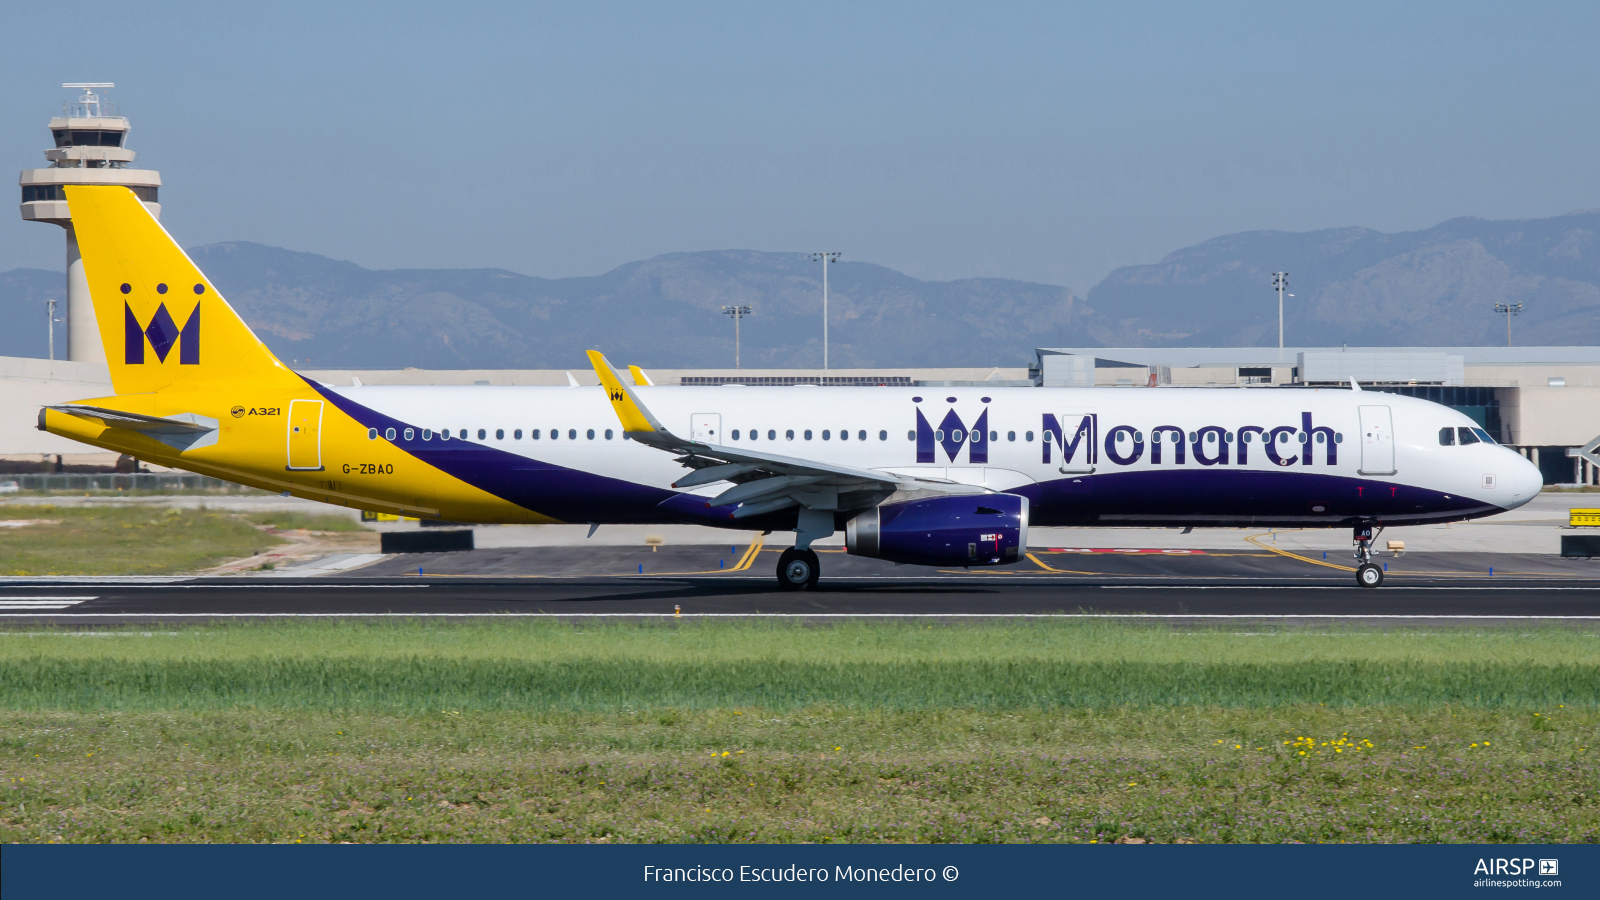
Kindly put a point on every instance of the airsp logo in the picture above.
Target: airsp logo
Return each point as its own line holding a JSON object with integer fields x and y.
{"x": 238, "y": 412}
{"x": 1515, "y": 867}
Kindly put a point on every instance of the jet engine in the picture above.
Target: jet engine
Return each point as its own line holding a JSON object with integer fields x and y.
{"x": 960, "y": 530}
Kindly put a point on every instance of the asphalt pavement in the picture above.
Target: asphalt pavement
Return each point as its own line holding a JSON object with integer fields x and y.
{"x": 734, "y": 580}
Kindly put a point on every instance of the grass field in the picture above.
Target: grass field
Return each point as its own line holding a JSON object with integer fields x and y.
{"x": 727, "y": 732}
{"x": 140, "y": 540}
{"x": 122, "y": 540}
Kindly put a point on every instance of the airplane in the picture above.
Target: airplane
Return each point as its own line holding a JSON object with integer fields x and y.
{"x": 943, "y": 476}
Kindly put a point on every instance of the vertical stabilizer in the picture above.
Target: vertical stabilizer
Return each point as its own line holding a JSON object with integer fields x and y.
{"x": 162, "y": 323}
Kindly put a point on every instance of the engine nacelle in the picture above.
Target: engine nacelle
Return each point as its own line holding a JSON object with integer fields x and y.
{"x": 959, "y": 530}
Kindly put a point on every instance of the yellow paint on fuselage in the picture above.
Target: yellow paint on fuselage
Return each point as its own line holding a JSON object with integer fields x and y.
{"x": 237, "y": 381}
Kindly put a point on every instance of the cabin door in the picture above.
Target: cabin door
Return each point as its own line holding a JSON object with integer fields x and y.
{"x": 1377, "y": 441}
{"x": 305, "y": 435}
{"x": 1080, "y": 441}
{"x": 706, "y": 427}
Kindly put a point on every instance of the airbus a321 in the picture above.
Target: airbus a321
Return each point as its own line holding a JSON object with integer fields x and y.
{"x": 923, "y": 475}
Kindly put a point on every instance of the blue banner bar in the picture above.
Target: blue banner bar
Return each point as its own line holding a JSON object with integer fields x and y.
{"x": 58, "y": 872}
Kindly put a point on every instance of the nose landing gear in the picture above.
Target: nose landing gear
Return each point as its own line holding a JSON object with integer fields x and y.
{"x": 1368, "y": 573}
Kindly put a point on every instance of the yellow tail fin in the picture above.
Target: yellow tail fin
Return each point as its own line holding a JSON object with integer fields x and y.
{"x": 162, "y": 323}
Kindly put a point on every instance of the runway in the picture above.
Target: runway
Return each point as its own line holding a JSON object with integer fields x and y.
{"x": 732, "y": 581}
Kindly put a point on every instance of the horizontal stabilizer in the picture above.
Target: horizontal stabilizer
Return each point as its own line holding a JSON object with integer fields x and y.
{"x": 113, "y": 418}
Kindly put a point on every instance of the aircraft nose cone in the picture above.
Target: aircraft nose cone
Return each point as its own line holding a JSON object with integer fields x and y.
{"x": 1526, "y": 481}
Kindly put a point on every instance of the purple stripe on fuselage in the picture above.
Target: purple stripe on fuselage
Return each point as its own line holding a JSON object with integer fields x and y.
{"x": 548, "y": 489}
{"x": 1241, "y": 497}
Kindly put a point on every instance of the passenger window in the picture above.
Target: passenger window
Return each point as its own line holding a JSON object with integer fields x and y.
{"x": 608, "y": 434}
{"x": 534, "y": 434}
{"x": 789, "y": 435}
{"x": 444, "y": 435}
{"x": 938, "y": 434}
{"x": 861, "y": 435}
{"x": 388, "y": 434}
{"x": 463, "y": 434}
{"x": 1467, "y": 437}
{"x": 1027, "y": 436}
{"x": 772, "y": 434}
{"x": 911, "y": 435}
{"x": 427, "y": 435}
{"x": 844, "y": 434}
{"x": 883, "y": 435}
{"x": 824, "y": 434}
{"x": 755, "y": 435}
{"x": 994, "y": 435}
{"x": 409, "y": 434}
{"x": 372, "y": 434}
{"x": 736, "y": 434}
{"x": 591, "y": 434}
{"x": 572, "y": 434}
{"x": 499, "y": 434}
{"x": 1011, "y": 435}
{"x": 555, "y": 433}
{"x": 517, "y": 435}
{"x": 808, "y": 434}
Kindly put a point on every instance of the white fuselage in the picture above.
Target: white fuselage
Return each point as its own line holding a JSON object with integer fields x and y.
{"x": 1081, "y": 455}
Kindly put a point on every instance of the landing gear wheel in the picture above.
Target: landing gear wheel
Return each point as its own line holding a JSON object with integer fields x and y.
{"x": 1369, "y": 575}
{"x": 798, "y": 570}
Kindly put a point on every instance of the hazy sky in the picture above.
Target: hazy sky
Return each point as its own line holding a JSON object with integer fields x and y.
{"x": 1048, "y": 142}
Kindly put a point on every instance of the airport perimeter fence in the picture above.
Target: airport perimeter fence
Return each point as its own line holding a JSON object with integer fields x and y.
{"x": 140, "y": 481}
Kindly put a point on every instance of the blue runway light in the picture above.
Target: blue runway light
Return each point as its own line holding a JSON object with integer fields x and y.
{"x": 1386, "y": 567}
{"x": 719, "y": 563}
{"x": 641, "y": 568}
{"x": 419, "y": 570}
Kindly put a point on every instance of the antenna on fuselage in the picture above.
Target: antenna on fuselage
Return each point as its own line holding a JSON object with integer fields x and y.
{"x": 1353, "y": 385}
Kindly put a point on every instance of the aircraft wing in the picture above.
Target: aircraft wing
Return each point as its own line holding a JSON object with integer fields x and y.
{"x": 762, "y": 482}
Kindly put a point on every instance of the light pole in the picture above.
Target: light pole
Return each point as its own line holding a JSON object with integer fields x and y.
{"x": 737, "y": 313}
{"x": 52, "y": 303}
{"x": 825, "y": 257}
{"x": 1510, "y": 309}
{"x": 1280, "y": 283}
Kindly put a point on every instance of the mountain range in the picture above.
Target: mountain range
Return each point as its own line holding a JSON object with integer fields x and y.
{"x": 1353, "y": 285}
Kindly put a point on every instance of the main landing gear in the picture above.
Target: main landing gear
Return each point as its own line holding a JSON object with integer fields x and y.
{"x": 798, "y": 567}
{"x": 798, "y": 570}
{"x": 1368, "y": 573}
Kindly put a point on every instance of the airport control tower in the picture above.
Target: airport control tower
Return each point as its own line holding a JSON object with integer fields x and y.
{"x": 90, "y": 148}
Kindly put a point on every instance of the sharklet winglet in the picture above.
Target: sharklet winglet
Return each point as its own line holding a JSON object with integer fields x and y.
{"x": 633, "y": 415}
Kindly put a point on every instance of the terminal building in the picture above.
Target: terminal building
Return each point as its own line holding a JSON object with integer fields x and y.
{"x": 1543, "y": 401}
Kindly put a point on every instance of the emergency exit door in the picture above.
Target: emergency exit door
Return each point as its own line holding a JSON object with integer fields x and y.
{"x": 1377, "y": 441}
{"x": 305, "y": 435}
{"x": 706, "y": 427}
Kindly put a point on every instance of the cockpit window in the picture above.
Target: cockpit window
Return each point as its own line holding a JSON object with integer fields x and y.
{"x": 1468, "y": 436}
{"x": 1484, "y": 436}
{"x": 1447, "y": 437}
